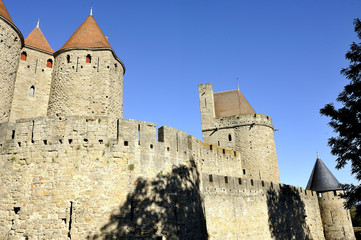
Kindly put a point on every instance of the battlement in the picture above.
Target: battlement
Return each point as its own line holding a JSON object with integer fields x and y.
{"x": 170, "y": 147}
{"x": 205, "y": 86}
{"x": 230, "y": 185}
{"x": 331, "y": 195}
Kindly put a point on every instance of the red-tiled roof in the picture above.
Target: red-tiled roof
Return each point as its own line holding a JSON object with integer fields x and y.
{"x": 88, "y": 35}
{"x": 37, "y": 39}
{"x": 231, "y": 103}
{"x": 4, "y": 12}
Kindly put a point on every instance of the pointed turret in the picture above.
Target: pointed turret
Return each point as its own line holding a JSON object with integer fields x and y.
{"x": 336, "y": 220}
{"x": 36, "y": 39}
{"x": 4, "y": 12}
{"x": 94, "y": 85}
{"x": 88, "y": 35}
{"x": 321, "y": 179}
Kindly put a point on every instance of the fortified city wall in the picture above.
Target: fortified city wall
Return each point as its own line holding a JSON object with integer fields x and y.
{"x": 68, "y": 177}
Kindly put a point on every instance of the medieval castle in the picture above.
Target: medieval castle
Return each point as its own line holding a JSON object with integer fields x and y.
{"x": 72, "y": 168}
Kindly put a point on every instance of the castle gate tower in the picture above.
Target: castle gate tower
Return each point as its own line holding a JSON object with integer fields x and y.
{"x": 32, "y": 87}
{"x": 229, "y": 121}
{"x": 87, "y": 77}
{"x": 11, "y": 42}
{"x": 336, "y": 220}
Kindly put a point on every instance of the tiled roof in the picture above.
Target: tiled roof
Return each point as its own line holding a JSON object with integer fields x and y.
{"x": 37, "y": 39}
{"x": 88, "y": 35}
{"x": 321, "y": 179}
{"x": 4, "y": 12}
{"x": 231, "y": 103}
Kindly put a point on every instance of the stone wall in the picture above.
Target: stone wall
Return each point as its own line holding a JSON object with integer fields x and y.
{"x": 67, "y": 178}
{"x": 238, "y": 208}
{"x": 336, "y": 220}
{"x": 87, "y": 89}
{"x": 11, "y": 42}
{"x": 32, "y": 87}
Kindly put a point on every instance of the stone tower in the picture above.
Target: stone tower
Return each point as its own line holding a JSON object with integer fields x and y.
{"x": 33, "y": 80}
{"x": 11, "y": 42}
{"x": 87, "y": 77}
{"x": 336, "y": 219}
{"x": 229, "y": 121}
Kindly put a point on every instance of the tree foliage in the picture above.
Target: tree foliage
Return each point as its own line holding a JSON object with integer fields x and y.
{"x": 346, "y": 121}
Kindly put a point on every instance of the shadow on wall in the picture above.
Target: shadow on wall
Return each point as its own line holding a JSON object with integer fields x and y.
{"x": 287, "y": 216}
{"x": 169, "y": 206}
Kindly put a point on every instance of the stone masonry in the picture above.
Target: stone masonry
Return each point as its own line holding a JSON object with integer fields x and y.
{"x": 75, "y": 169}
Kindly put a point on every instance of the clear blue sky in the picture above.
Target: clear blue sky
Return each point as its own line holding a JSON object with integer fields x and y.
{"x": 286, "y": 54}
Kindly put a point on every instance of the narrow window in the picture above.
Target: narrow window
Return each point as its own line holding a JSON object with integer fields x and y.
{"x": 229, "y": 137}
{"x": 226, "y": 179}
{"x": 88, "y": 58}
{"x": 334, "y": 193}
{"x": 49, "y": 63}
{"x": 252, "y": 182}
{"x": 67, "y": 58}
{"x": 125, "y": 143}
{"x": 205, "y": 102}
{"x": 224, "y": 151}
{"x": 23, "y": 56}
{"x": 211, "y": 178}
{"x": 244, "y": 171}
{"x": 138, "y": 134}
{"x": 239, "y": 181}
{"x": 210, "y": 147}
{"x": 262, "y": 183}
{"x": 32, "y": 90}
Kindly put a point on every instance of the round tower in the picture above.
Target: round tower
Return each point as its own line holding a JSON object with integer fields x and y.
{"x": 11, "y": 42}
{"x": 229, "y": 121}
{"x": 87, "y": 77}
{"x": 336, "y": 220}
{"x": 32, "y": 87}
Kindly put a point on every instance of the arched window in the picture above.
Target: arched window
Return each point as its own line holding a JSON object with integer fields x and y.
{"x": 67, "y": 58}
{"x": 88, "y": 58}
{"x": 229, "y": 137}
{"x": 23, "y": 56}
{"x": 32, "y": 90}
{"x": 49, "y": 63}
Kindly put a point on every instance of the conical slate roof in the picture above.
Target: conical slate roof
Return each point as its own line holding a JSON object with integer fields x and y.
{"x": 37, "y": 40}
{"x": 321, "y": 179}
{"x": 4, "y": 12}
{"x": 88, "y": 35}
{"x": 231, "y": 103}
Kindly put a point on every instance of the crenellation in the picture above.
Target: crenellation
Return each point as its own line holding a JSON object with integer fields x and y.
{"x": 72, "y": 168}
